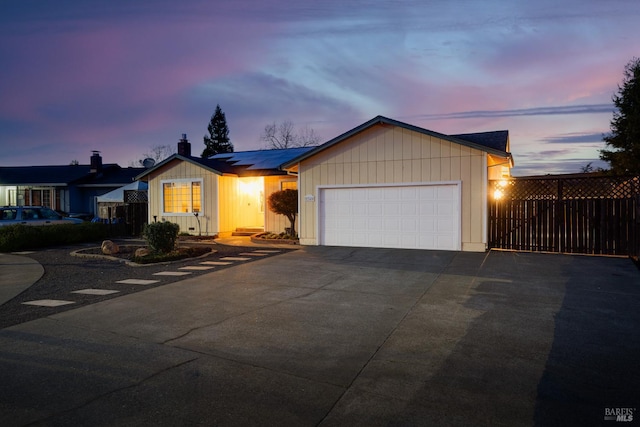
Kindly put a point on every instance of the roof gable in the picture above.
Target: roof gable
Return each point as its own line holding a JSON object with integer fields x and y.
{"x": 473, "y": 142}
{"x": 216, "y": 166}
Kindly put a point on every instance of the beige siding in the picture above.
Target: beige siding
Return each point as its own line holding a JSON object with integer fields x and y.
{"x": 187, "y": 222}
{"x": 227, "y": 205}
{"x": 386, "y": 154}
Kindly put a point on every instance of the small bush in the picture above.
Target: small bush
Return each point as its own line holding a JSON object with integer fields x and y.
{"x": 20, "y": 237}
{"x": 161, "y": 236}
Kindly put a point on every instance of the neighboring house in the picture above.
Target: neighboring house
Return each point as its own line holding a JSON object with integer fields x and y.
{"x": 227, "y": 191}
{"x": 390, "y": 184}
{"x": 71, "y": 188}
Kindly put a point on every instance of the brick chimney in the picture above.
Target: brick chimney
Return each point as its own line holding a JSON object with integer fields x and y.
{"x": 96, "y": 162}
{"x": 184, "y": 147}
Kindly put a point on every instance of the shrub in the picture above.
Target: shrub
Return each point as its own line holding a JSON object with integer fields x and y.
{"x": 161, "y": 236}
{"x": 19, "y": 237}
{"x": 285, "y": 203}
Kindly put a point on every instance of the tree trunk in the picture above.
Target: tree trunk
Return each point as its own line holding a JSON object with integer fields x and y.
{"x": 292, "y": 220}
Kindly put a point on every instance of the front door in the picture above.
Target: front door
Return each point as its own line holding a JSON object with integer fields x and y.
{"x": 251, "y": 196}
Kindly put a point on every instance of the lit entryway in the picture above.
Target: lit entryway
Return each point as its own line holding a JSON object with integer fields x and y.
{"x": 404, "y": 216}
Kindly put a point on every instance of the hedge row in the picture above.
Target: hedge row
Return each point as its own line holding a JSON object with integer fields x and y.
{"x": 20, "y": 237}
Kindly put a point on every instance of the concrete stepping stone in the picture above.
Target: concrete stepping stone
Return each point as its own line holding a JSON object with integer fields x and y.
{"x": 23, "y": 252}
{"x": 216, "y": 263}
{"x": 196, "y": 267}
{"x": 254, "y": 254}
{"x": 137, "y": 282}
{"x": 171, "y": 273}
{"x": 48, "y": 302}
{"x": 267, "y": 251}
{"x": 235, "y": 258}
{"x": 95, "y": 292}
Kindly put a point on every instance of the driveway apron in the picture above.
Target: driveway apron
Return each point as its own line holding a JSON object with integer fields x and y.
{"x": 341, "y": 336}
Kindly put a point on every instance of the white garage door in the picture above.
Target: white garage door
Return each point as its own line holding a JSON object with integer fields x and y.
{"x": 412, "y": 216}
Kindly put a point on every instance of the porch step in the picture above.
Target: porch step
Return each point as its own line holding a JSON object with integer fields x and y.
{"x": 247, "y": 231}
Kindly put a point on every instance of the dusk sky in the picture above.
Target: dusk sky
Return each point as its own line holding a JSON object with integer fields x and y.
{"x": 121, "y": 76}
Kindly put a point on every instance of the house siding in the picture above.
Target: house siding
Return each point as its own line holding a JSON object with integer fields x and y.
{"x": 208, "y": 217}
{"x": 227, "y": 205}
{"x": 385, "y": 154}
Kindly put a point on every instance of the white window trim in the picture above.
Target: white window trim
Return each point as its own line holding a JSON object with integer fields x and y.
{"x": 190, "y": 180}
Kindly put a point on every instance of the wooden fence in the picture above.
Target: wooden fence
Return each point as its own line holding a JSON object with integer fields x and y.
{"x": 572, "y": 214}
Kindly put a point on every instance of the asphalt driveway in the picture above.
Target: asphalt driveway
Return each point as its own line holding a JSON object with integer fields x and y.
{"x": 342, "y": 336}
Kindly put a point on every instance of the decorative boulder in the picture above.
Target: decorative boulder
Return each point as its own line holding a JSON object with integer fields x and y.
{"x": 110, "y": 248}
{"x": 140, "y": 252}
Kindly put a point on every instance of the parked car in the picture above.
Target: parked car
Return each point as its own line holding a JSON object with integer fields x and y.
{"x": 33, "y": 215}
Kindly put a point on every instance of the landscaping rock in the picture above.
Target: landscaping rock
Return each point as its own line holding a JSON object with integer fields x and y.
{"x": 140, "y": 252}
{"x": 110, "y": 248}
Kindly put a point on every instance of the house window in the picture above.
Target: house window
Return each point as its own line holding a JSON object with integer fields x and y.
{"x": 181, "y": 196}
{"x": 37, "y": 197}
{"x": 11, "y": 197}
{"x": 289, "y": 185}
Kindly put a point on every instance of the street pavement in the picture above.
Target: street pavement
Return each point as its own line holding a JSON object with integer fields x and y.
{"x": 342, "y": 336}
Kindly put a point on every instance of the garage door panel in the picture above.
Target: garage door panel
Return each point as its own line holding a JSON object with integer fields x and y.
{"x": 409, "y": 208}
{"x": 409, "y": 225}
{"x": 426, "y": 193}
{"x": 427, "y": 208}
{"x": 409, "y": 193}
{"x": 373, "y": 193}
{"x": 390, "y": 224}
{"x": 445, "y": 208}
{"x": 391, "y": 209}
{"x": 445, "y": 193}
{"x": 412, "y": 216}
{"x": 376, "y": 209}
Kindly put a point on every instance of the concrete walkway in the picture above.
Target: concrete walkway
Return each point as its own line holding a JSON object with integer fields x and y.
{"x": 17, "y": 273}
{"x": 341, "y": 336}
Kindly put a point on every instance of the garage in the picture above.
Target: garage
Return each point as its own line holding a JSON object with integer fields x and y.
{"x": 390, "y": 184}
{"x": 412, "y": 216}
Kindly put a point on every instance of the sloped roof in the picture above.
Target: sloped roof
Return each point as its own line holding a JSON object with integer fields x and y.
{"x": 60, "y": 175}
{"x": 111, "y": 175}
{"x": 261, "y": 159}
{"x": 472, "y": 142}
{"x": 241, "y": 163}
{"x": 498, "y": 139}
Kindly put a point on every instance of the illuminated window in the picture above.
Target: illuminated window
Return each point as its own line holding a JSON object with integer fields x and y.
{"x": 181, "y": 196}
{"x": 289, "y": 185}
{"x": 11, "y": 197}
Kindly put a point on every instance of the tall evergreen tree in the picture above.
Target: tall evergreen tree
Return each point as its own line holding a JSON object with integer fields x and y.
{"x": 218, "y": 139}
{"x": 624, "y": 138}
